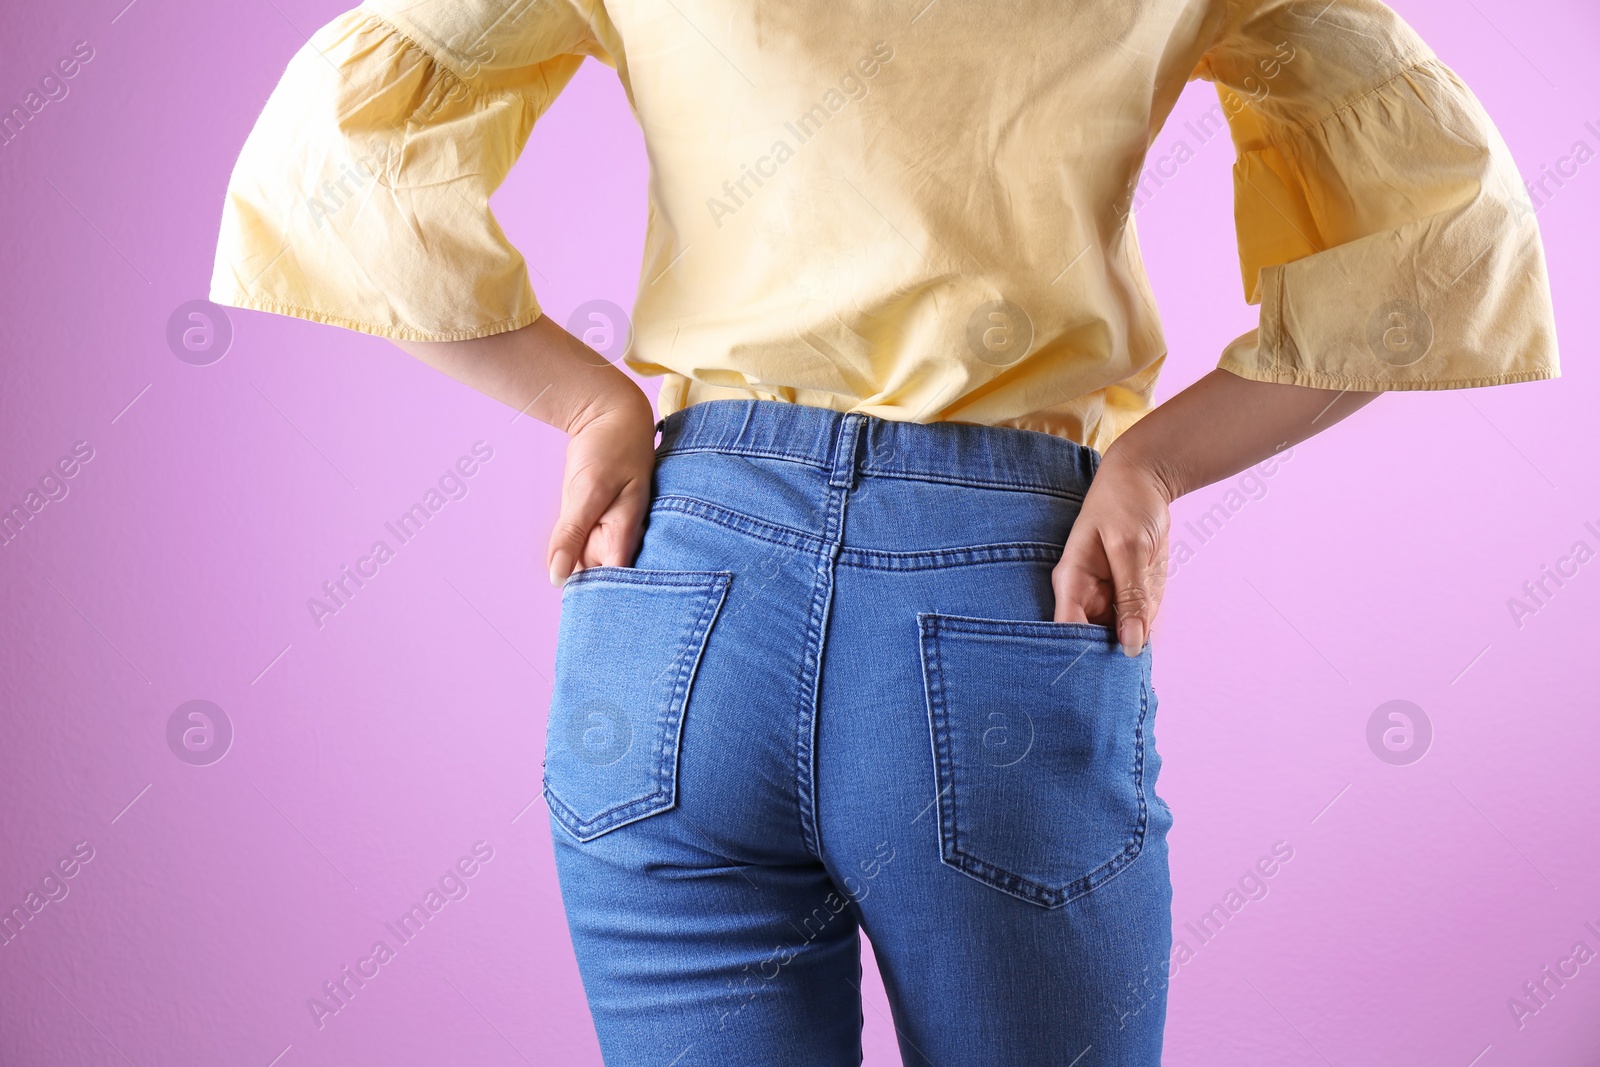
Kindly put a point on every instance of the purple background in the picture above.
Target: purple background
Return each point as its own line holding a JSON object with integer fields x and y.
{"x": 369, "y": 755}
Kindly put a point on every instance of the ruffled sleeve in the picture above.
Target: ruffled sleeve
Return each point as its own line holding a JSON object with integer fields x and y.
{"x": 1382, "y": 225}
{"x": 361, "y": 197}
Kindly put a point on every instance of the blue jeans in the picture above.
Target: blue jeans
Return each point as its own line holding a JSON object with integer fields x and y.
{"x": 824, "y": 700}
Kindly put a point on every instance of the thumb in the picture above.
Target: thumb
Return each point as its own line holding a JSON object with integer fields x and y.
{"x": 1136, "y": 584}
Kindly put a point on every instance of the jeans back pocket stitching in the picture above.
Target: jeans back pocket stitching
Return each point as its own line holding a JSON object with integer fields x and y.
{"x": 944, "y": 768}
{"x": 696, "y": 638}
{"x": 943, "y": 764}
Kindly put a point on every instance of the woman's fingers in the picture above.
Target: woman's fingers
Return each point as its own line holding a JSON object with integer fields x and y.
{"x": 615, "y": 537}
{"x": 1113, "y": 579}
{"x": 597, "y": 532}
{"x": 1136, "y": 583}
{"x": 566, "y": 550}
{"x": 1113, "y": 568}
{"x": 605, "y": 494}
{"x": 583, "y": 500}
{"x": 1080, "y": 581}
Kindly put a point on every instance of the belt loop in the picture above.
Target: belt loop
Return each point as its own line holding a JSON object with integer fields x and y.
{"x": 846, "y": 448}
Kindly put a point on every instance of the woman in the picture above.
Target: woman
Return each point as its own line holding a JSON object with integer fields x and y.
{"x": 862, "y": 669}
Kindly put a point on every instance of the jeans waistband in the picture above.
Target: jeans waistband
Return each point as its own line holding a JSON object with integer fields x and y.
{"x": 848, "y": 444}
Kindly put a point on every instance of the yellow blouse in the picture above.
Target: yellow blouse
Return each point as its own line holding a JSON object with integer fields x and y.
{"x": 917, "y": 209}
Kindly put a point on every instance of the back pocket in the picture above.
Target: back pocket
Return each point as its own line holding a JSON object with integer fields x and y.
{"x": 1038, "y": 735}
{"x": 626, "y": 654}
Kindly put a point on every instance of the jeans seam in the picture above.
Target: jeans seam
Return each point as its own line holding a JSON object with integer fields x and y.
{"x": 859, "y": 558}
{"x": 698, "y": 637}
{"x": 964, "y": 624}
{"x": 740, "y": 450}
{"x": 706, "y": 580}
{"x": 969, "y": 482}
{"x": 740, "y": 523}
{"x": 939, "y": 559}
{"x": 588, "y": 829}
{"x": 868, "y": 470}
{"x": 809, "y": 690}
{"x": 943, "y": 765}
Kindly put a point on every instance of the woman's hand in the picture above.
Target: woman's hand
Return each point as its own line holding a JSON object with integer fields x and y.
{"x": 605, "y": 492}
{"x": 1114, "y": 568}
{"x": 546, "y": 372}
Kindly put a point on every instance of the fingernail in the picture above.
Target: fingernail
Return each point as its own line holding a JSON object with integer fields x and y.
{"x": 1132, "y": 636}
{"x": 559, "y": 568}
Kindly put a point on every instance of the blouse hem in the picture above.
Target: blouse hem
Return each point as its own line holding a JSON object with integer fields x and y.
{"x": 396, "y": 333}
{"x": 1314, "y": 380}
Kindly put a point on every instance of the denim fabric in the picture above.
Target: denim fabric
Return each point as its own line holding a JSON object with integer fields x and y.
{"x": 826, "y": 700}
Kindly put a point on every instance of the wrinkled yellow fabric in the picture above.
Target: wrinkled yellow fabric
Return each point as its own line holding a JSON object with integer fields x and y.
{"x": 917, "y": 211}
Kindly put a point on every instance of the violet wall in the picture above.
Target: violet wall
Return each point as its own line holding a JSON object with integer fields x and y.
{"x": 364, "y": 757}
